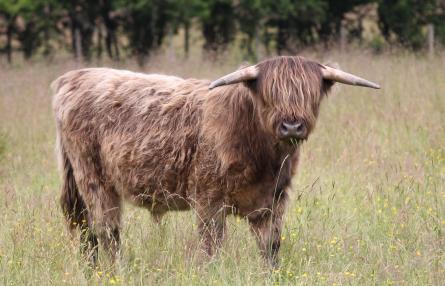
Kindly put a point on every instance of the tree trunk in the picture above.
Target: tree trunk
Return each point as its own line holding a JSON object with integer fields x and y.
{"x": 46, "y": 31}
{"x": 73, "y": 37}
{"x": 86, "y": 29}
{"x": 99, "y": 41}
{"x": 116, "y": 47}
{"x": 9, "y": 31}
{"x": 186, "y": 38}
{"x": 281, "y": 37}
{"x": 170, "y": 51}
{"x": 111, "y": 43}
{"x": 108, "y": 27}
{"x": 431, "y": 40}
{"x": 257, "y": 44}
{"x": 343, "y": 38}
{"x": 77, "y": 43}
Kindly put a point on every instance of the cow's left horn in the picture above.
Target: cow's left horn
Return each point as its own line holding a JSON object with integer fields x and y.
{"x": 346, "y": 78}
{"x": 247, "y": 73}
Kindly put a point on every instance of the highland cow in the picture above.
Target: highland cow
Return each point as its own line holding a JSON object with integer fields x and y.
{"x": 167, "y": 143}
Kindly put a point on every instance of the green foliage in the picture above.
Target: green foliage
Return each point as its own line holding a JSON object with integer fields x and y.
{"x": 334, "y": 14}
{"x": 283, "y": 25}
{"x": 438, "y": 19}
{"x": 36, "y": 17}
{"x": 147, "y": 24}
{"x": 406, "y": 18}
{"x": 14, "y": 7}
{"x": 296, "y": 21}
{"x": 377, "y": 44}
{"x": 217, "y": 19}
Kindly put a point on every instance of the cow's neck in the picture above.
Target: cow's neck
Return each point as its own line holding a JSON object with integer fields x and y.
{"x": 234, "y": 129}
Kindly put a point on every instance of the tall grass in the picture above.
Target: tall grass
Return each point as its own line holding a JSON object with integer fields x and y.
{"x": 367, "y": 208}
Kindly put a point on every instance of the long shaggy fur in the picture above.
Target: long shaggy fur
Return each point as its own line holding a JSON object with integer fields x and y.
{"x": 72, "y": 203}
{"x": 167, "y": 143}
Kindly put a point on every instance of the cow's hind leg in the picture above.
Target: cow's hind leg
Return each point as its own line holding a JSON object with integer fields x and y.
{"x": 105, "y": 215}
{"x": 89, "y": 245}
{"x": 103, "y": 206}
{"x": 74, "y": 207}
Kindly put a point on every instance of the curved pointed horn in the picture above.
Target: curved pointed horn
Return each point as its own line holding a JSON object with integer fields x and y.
{"x": 346, "y": 78}
{"x": 247, "y": 73}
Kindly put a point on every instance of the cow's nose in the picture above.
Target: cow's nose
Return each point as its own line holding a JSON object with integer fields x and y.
{"x": 292, "y": 130}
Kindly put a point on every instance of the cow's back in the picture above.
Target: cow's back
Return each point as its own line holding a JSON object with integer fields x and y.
{"x": 142, "y": 130}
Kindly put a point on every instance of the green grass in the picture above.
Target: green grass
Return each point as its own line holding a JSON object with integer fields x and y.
{"x": 368, "y": 203}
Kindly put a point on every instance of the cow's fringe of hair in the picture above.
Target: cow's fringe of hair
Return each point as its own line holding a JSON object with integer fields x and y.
{"x": 294, "y": 86}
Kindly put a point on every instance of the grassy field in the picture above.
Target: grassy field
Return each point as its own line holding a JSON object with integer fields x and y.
{"x": 368, "y": 204}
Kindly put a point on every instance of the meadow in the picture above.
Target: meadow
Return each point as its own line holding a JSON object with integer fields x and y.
{"x": 367, "y": 207}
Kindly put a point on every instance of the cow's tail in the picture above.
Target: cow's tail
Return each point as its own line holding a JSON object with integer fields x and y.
{"x": 73, "y": 206}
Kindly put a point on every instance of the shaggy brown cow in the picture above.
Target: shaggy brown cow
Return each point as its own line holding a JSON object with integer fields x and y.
{"x": 167, "y": 143}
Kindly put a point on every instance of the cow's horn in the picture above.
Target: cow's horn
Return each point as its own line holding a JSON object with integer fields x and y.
{"x": 247, "y": 73}
{"x": 346, "y": 78}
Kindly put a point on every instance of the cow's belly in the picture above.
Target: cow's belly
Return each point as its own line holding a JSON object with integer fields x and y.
{"x": 148, "y": 185}
{"x": 158, "y": 201}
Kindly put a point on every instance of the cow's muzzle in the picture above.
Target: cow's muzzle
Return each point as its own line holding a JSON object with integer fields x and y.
{"x": 292, "y": 130}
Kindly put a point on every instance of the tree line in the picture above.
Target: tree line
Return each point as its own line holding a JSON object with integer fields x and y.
{"x": 89, "y": 28}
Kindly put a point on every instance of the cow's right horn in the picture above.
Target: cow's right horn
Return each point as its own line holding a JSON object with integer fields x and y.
{"x": 346, "y": 78}
{"x": 245, "y": 74}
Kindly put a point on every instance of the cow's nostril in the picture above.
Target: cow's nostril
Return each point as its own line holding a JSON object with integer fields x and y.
{"x": 284, "y": 129}
{"x": 292, "y": 129}
{"x": 299, "y": 128}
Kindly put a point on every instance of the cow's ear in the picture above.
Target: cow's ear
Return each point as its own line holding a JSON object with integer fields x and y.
{"x": 244, "y": 64}
{"x": 251, "y": 84}
{"x": 328, "y": 84}
{"x": 333, "y": 64}
{"x": 240, "y": 75}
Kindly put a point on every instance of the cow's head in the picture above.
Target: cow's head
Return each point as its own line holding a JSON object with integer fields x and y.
{"x": 288, "y": 91}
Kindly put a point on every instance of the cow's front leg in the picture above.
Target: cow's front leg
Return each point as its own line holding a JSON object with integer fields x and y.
{"x": 267, "y": 230}
{"x": 211, "y": 227}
